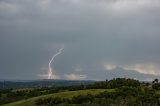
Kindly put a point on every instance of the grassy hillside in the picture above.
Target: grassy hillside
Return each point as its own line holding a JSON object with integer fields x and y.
{"x": 116, "y": 92}
{"x": 67, "y": 94}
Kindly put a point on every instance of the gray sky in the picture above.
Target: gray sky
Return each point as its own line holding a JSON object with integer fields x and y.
{"x": 99, "y": 36}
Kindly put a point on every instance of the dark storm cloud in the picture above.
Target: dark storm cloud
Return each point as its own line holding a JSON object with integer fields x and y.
{"x": 96, "y": 34}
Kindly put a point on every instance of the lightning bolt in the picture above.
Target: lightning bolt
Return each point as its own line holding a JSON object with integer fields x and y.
{"x": 51, "y": 72}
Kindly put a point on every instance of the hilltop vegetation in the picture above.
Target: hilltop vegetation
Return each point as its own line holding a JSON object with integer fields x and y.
{"x": 115, "y": 92}
{"x": 123, "y": 96}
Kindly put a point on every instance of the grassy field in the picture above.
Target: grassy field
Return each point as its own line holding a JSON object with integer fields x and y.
{"x": 67, "y": 94}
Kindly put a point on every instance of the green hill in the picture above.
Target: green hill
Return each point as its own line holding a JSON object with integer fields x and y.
{"x": 67, "y": 94}
{"x": 116, "y": 92}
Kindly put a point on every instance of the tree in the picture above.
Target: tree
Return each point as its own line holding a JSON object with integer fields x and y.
{"x": 156, "y": 80}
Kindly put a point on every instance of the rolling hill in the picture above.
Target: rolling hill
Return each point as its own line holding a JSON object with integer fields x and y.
{"x": 67, "y": 94}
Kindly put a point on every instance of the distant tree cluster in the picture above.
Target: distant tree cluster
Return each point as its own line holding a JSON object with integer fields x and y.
{"x": 111, "y": 84}
{"x": 114, "y": 83}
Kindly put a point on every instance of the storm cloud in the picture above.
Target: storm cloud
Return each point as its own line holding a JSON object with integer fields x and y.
{"x": 98, "y": 35}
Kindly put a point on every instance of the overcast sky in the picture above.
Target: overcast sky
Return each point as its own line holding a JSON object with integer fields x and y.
{"x": 98, "y": 36}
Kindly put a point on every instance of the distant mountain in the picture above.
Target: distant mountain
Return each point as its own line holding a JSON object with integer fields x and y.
{"x": 120, "y": 72}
